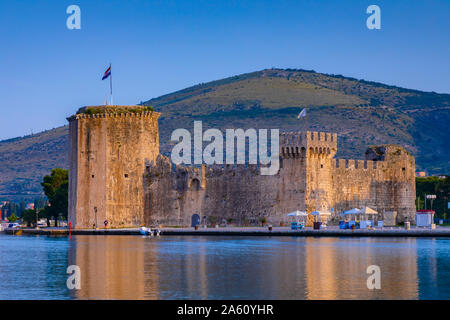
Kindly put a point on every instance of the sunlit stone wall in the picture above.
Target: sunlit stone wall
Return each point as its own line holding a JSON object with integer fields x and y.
{"x": 108, "y": 151}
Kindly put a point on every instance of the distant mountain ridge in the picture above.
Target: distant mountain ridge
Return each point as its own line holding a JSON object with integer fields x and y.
{"x": 361, "y": 112}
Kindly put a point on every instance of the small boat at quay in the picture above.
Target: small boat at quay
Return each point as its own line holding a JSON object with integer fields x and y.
{"x": 149, "y": 232}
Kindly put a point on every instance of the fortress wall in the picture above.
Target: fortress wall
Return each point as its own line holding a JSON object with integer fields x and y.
{"x": 239, "y": 193}
{"x": 117, "y": 174}
{"x": 162, "y": 193}
{"x": 234, "y": 192}
{"x": 73, "y": 172}
{"x": 291, "y": 187}
{"x": 387, "y": 185}
{"x": 352, "y": 182}
{"x": 132, "y": 140}
{"x": 88, "y": 137}
{"x": 108, "y": 155}
{"x": 320, "y": 191}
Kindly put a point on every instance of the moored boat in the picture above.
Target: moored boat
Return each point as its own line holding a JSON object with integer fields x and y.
{"x": 146, "y": 231}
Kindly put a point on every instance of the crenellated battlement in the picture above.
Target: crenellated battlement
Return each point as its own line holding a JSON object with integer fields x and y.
{"x": 352, "y": 164}
{"x": 144, "y": 114}
{"x": 312, "y": 143}
{"x": 293, "y": 138}
{"x": 321, "y": 144}
{"x": 314, "y": 136}
{"x": 293, "y": 144}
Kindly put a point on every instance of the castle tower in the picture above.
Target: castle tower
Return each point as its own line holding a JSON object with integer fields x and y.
{"x": 108, "y": 150}
{"x": 307, "y": 157}
{"x": 321, "y": 148}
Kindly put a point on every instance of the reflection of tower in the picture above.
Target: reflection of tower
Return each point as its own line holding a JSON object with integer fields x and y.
{"x": 320, "y": 269}
{"x": 197, "y": 273}
{"x": 108, "y": 150}
{"x": 115, "y": 267}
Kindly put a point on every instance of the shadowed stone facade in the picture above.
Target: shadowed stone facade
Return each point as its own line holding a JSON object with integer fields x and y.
{"x": 107, "y": 152}
{"x": 158, "y": 192}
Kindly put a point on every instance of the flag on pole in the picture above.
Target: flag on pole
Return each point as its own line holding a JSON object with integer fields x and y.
{"x": 107, "y": 73}
{"x": 302, "y": 114}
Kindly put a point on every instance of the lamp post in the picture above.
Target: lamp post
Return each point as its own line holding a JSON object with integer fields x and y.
{"x": 431, "y": 197}
{"x": 96, "y": 225}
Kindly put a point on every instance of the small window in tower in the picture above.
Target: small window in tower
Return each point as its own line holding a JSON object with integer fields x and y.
{"x": 92, "y": 176}
{"x": 321, "y": 165}
{"x": 126, "y": 175}
{"x": 403, "y": 169}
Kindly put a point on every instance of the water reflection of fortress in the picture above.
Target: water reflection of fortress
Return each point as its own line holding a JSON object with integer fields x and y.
{"x": 117, "y": 267}
{"x": 117, "y": 174}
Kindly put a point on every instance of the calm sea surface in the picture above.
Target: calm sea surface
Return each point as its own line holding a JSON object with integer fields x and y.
{"x": 134, "y": 267}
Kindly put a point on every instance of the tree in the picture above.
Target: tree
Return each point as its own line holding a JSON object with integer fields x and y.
{"x": 12, "y": 218}
{"x": 437, "y": 186}
{"x": 29, "y": 216}
{"x": 56, "y": 188}
{"x": 40, "y": 203}
{"x": 21, "y": 208}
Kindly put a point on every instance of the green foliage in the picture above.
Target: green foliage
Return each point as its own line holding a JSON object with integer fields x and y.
{"x": 12, "y": 218}
{"x": 212, "y": 219}
{"x": 114, "y": 109}
{"x": 56, "y": 187}
{"x": 40, "y": 203}
{"x": 29, "y": 216}
{"x": 439, "y": 187}
{"x": 10, "y": 208}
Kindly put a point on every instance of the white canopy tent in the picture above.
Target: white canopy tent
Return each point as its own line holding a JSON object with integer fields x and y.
{"x": 321, "y": 213}
{"x": 361, "y": 215}
{"x": 369, "y": 215}
{"x": 298, "y": 213}
{"x": 353, "y": 211}
{"x": 367, "y": 210}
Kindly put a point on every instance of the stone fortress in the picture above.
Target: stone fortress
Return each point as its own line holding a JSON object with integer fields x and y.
{"x": 117, "y": 175}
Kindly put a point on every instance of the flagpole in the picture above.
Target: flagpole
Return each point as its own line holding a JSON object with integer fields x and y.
{"x": 110, "y": 83}
{"x": 306, "y": 122}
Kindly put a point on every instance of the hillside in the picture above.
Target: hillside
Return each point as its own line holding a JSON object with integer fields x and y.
{"x": 24, "y": 161}
{"x": 361, "y": 112}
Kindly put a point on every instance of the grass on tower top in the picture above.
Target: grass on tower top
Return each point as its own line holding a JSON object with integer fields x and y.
{"x": 114, "y": 109}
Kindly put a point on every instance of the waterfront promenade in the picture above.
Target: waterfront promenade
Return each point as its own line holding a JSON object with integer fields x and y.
{"x": 331, "y": 231}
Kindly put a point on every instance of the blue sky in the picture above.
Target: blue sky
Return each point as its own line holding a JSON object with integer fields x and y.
{"x": 157, "y": 47}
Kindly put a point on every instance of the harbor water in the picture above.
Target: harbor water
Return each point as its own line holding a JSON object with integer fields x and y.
{"x": 223, "y": 267}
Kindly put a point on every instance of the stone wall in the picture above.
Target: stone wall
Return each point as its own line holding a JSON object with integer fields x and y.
{"x": 117, "y": 174}
{"x": 384, "y": 183}
{"x": 236, "y": 192}
{"x": 108, "y": 152}
{"x": 309, "y": 179}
